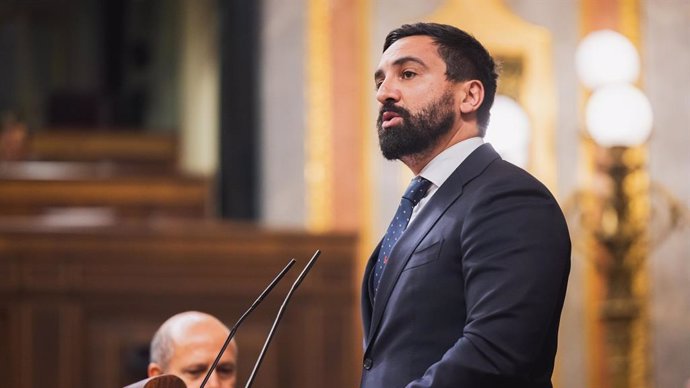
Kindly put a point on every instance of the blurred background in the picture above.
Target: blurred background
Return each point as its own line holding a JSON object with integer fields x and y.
{"x": 164, "y": 155}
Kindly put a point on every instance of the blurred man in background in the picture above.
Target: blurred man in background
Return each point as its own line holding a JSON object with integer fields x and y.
{"x": 187, "y": 344}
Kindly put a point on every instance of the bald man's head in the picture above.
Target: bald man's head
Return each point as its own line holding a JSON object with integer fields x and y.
{"x": 186, "y": 345}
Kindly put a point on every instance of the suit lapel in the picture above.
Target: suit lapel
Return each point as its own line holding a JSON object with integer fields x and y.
{"x": 448, "y": 193}
{"x": 366, "y": 299}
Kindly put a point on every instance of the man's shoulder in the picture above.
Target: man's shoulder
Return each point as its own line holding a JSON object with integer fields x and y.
{"x": 503, "y": 171}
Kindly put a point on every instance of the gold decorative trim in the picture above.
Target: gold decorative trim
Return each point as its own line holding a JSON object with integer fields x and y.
{"x": 629, "y": 20}
{"x": 510, "y": 81}
{"x": 319, "y": 163}
{"x": 366, "y": 240}
{"x": 640, "y": 360}
{"x": 509, "y": 36}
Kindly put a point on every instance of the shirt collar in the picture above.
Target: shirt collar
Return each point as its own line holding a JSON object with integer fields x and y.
{"x": 440, "y": 167}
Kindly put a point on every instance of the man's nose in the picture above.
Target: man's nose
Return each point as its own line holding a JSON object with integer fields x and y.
{"x": 213, "y": 381}
{"x": 387, "y": 91}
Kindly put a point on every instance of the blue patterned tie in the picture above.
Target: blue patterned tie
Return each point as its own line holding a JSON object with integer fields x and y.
{"x": 414, "y": 193}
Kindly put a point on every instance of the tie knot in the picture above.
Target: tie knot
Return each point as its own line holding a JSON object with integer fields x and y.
{"x": 417, "y": 190}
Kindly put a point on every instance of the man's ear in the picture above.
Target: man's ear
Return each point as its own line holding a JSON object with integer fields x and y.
{"x": 472, "y": 96}
{"x": 154, "y": 369}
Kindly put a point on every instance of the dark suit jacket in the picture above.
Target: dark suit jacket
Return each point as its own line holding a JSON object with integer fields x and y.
{"x": 473, "y": 291}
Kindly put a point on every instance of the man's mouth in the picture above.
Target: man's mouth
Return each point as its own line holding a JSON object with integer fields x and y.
{"x": 389, "y": 118}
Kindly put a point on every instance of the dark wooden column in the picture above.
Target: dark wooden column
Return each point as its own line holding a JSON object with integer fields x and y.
{"x": 239, "y": 52}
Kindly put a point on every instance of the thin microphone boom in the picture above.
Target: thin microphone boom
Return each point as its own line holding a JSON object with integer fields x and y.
{"x": 296, "y": 284}
{"x": 242, "y": 318}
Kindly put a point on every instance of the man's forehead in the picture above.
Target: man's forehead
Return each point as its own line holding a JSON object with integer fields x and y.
{"x": 421, "y": 47}
{"x": 421, "y": 43}
{"x": 202, "y": 350}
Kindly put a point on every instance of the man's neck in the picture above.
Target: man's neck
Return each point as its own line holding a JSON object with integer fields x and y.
{"x": 417, "y": 162}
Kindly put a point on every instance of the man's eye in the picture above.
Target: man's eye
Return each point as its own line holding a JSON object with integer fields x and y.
{"x": 377, "y": 85}
{"x": 195, "y": 372}
{"x": 226, "y": 370}
{"x": 408, "y": 74}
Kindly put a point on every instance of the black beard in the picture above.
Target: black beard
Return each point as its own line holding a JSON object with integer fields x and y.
{"x": 417, "y": 133}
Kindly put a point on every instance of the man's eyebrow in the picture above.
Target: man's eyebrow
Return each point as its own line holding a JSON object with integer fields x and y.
{"x": 401, "y": 61}
{"x": 198, "y": 365}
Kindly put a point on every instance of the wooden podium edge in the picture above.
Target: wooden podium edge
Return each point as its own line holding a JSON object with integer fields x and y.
{"x": 162, "y": 381}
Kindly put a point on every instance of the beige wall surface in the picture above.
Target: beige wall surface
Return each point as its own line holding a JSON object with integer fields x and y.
{"x": 283, "y": 121}
{"x": 666, "y": 79}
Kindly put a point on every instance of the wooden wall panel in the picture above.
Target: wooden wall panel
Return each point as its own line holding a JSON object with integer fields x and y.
{"x": 107, "y": 192}
{"x": 5, "y": 335}
{"x": 98, "y": 145}
{"x": 89, "y": 300}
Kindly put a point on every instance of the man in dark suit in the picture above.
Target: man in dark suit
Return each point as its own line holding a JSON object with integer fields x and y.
{"x": 466, "y": 288}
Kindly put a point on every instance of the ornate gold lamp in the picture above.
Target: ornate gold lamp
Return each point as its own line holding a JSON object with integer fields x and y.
{"x": 619, "y": 121}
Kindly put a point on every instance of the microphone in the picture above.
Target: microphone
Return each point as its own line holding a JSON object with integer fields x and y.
{"x": 296, "y": 284}
{"x": 244, "y": 316}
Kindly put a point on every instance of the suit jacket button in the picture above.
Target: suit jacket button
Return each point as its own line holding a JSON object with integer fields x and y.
{"x": 368, "y": 363}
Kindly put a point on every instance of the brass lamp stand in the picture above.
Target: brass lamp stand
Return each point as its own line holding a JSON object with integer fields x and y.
{"x": 620, "y": 234}
{"x": 617, "y": 209}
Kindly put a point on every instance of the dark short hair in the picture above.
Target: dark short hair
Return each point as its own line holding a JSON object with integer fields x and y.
{"x": 464, "y": 56}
